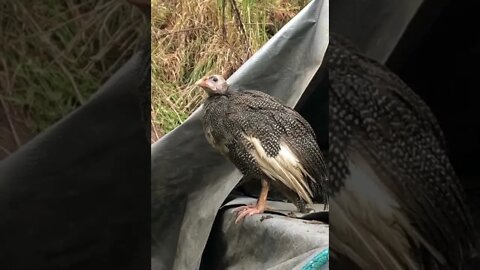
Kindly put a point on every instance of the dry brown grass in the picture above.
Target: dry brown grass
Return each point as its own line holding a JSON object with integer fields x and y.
{"x": 192, "y": 38}
{"x": 55, "y": 54}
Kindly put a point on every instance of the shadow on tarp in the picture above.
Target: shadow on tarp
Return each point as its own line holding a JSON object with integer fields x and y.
{"x": 189, "y": 180}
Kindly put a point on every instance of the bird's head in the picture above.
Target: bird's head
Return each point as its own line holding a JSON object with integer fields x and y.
{"x": 213, "y": 85}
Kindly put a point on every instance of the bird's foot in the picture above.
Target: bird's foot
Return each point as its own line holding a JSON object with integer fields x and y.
{"x": 248, "y": 210}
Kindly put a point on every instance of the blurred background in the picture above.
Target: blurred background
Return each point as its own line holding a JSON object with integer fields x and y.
{"x": 438, "y": 57}
{"x": 54, "y": 56}
{"x": 434, "y": 46}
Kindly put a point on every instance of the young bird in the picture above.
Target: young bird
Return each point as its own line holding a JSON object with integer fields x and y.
{"x": 265, "y": 140}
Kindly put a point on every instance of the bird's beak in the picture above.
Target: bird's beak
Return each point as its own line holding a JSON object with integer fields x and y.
{"x": 202, "y": 82}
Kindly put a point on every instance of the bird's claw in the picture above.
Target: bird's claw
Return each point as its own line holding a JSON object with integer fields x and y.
{"x": 248, "y": 210}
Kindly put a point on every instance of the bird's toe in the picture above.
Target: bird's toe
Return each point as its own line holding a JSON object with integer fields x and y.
{"x": 244, "y": 211}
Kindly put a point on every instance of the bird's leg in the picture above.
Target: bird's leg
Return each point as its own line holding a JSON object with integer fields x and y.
{"x": 258, "y": 208}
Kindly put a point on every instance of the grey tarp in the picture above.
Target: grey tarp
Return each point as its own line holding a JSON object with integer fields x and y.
{"x": 189, "y": 180}
{"x": 76, "y": 196}
{"x": 271, "y": 240}
{"x": 375, "y": 26}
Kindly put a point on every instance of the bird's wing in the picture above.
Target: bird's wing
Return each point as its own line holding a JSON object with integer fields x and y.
{"x": 280, "y": 140}
{"x": 300, "y": 138}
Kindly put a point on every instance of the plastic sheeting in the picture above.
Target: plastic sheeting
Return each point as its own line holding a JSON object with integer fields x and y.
{"x": 189, "y": 180}
{"x": 272, "y": 240}
{"x": 75, "y": 197}
{"x": 375, "y": 26}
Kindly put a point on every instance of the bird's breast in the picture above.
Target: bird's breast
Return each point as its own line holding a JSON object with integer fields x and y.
{"x": 219, "y": 144}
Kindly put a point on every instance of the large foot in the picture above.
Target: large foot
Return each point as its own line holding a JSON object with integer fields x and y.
{"x": 248, "y": 210}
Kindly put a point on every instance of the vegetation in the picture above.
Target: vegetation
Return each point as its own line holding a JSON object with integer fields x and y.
{"x": 193, "y": 38}
{"x": 55, "y": 54}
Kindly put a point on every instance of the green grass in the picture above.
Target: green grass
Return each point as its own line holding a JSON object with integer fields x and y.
{"x": 57, "y": 53}
{"x": 202, "y": 38}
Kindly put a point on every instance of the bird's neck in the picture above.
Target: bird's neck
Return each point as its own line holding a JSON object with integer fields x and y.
{"x": 225, "y": 92}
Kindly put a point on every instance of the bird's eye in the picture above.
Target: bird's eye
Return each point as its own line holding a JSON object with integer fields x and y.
{"x": 215, "y": 79}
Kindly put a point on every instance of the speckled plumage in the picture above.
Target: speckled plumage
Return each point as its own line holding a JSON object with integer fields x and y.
{"x": 374, "y": 113}
{"x": 234, "y": 114}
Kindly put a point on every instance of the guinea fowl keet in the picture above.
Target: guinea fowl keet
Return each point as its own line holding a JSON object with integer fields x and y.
{"x": 265, "y": 140}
